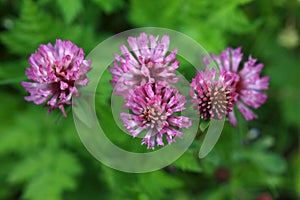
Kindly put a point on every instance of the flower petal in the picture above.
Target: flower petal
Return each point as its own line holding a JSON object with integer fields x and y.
{"x": 246, "y": 112}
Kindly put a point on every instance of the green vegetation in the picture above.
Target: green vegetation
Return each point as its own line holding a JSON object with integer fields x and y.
{"x": 42, "y": 156}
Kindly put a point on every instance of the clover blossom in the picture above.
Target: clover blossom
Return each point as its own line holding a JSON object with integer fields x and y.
{"x": 248, "y": 82}
{"x": 54, "y": 71}
{"x": 146, "y": 62}
{"x": 213, "y": 97}
{"x": 154, "y": 107}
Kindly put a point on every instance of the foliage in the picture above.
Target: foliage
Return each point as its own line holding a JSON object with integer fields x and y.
{"x": 216, "y": 18}
{"x": 42, "y": 157}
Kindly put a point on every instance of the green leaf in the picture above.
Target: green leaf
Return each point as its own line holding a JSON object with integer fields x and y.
{"x": 203, "y": 125}
{"x": 113, "y": 179}
{"x": 264, "y": 143}
{"x": 220, "y": 192}
{"x": 211, "y": 137}
{"x": 48, "y": 174}
{"x": 70, "y": 9}
{"x": 36, "y": 26}
{"x": 109, "y": 6}
{"x": 188, "y": 162}
{"x": 145, "y": 16}
{"x": 14, "y": 138}
{"x": 231, "y": 18}
{"x": 208, "y": 22}
{"x": 19, "y": 127}
{"x": 83, "y": 111}
{"x": 154, "y": 184}
{"x": 270, "y": 162}
{"x": 31, "y": 29}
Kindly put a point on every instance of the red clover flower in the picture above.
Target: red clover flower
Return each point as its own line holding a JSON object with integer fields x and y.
{"x": 248, "y": 82}
{"x": 147, "y": 64}
{"x": 54, "y": 70}
{"x": 154, "y": 107}
{"x": 212, "y": 97}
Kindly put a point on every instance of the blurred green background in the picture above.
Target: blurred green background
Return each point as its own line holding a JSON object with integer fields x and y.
{"x": 42, "y": 157}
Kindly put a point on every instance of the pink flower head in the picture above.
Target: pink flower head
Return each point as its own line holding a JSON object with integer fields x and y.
{"x": 154, "y": 106}
{"x": 147, "y": 64}
{"x": 248, "y": 81}
{"x": 54, "y": 70}
{"x": 213, "y": 97}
